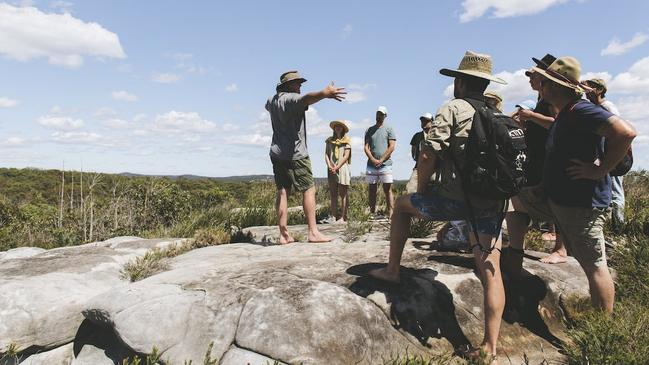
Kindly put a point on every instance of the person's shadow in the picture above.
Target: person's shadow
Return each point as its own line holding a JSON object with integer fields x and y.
{"x": 420, "y": 305}
{"x": 522, "y": 298}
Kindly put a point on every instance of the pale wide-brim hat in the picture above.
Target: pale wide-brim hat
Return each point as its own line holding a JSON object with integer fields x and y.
{"x": 494, "y": 95}
{"x": 290, "y": 76}
{"x": 565, "y": 71}
{"x": 474, "y": 64}
{"x": 334, "y": 123}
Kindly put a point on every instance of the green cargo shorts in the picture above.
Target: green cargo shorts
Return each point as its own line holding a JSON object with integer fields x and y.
{"x": 293, "y": 175}
{"x": 582, "y": 229}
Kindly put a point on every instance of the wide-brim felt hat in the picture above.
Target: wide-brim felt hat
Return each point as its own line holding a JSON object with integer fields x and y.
{"x": 476, "y": 65}
{"x": 290, "y": 76}
{"x": 544, "y": 62}
{"x": 334, "y": 123}
{"x": 565, "y": 71}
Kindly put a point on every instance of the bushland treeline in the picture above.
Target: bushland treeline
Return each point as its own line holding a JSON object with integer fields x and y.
{"x": 51, "y": 208}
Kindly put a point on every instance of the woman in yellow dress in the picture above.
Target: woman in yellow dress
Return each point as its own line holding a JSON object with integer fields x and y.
{"x": 338, "y": 156}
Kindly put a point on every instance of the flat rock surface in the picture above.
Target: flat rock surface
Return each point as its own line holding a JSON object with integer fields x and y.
{"x": 42, "y": 295}
{"x": 298, "y": 303}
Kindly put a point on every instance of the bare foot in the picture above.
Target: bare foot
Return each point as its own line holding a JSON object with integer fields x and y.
{"x": 554, "y": 258}
{"x": 383, "y": 274}
{"x": 480, "y": 355}
{"x": 549, "y": 236}
{"x": 318, "y": 237}
{"x": 341, "y": 221}
{"x": 285, "y": 240}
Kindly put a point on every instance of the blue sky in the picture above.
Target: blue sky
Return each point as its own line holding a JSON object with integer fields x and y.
{"x": 178, "y": 87}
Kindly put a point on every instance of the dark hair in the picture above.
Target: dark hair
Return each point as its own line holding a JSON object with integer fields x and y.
{"x": 475, "y": 84}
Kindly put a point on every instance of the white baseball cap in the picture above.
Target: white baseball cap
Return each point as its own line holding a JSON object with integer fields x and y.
{"x": 427, "y": 116}
{"x": 382, "y": 109}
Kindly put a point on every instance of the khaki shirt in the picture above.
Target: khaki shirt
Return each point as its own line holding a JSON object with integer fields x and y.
{"x": 449, "y": 134}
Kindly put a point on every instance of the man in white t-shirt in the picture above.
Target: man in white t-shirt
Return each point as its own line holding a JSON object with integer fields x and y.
{"x": 598, "y": 96}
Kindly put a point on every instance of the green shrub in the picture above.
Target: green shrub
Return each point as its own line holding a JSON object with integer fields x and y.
{"x": 621, "y": 338}
{"x": 142, "y": 267}
{"x": 422, "y": 228}
{"x": 211, "y": 237}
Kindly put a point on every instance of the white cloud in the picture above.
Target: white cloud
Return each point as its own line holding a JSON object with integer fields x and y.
{"x": 27, "y": 33}
{"x": 174, "y": 121}
{"x": 13, "y": 142}
{"x": 7, "y": 103}
{"x": 60, "y": 122}
{"x": 140, "y": 117}
{"x": 255, "y": 139}
{"x": 231, "y": 88}
{"x": 357, "y": 92}
{"x": 229, "y": 127}
{"x": 165, "y": 78}
{"x": 355, "y": 96}
{"x": 115, "y": 123}
{"x": 616, "y": 48}
{"x": 76, "y": 137}
{"x": 597, "y": 75}
{"x": 634, "y": 81}
{"x": 105, "y": 112}
{"x": 474, "y": 9}
{"x": 347, "y": 31}
{"x": 124, "y": 96}
{"x": 62, "y": 6}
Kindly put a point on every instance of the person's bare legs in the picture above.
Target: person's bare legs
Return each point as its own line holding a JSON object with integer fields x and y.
{"x": 372, "y": 197}
{"x": 389, "y": 198}
{"x": 399, "y": 229}
{"x": 333, "y": 195}
{"x": 559, "y": 253}
{"x": 344, "y": 201}
{"x": 308, "y": 204}
{"x": 281, "y": 206}
{"x": 602, "y": 289}
{"x": 488, "y": 266}
{"x": 517, "y": 222}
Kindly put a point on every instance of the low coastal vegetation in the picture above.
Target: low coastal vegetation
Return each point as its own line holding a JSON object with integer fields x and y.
{"x": 48, "y": 209}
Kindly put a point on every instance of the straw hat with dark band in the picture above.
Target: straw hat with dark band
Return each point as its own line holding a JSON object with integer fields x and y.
{"x": 476, "y": 65}
{"x": 341, "y": 123}
{"x": 290, "y": 76}
{"x": 564, "y": 71}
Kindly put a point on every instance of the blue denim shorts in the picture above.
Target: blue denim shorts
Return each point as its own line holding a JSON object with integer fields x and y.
{"x": 436, "y": 207}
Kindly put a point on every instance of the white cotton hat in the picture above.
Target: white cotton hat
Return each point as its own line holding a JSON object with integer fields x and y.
{"x": 382, "y": 109}
{"x": 426, "y": 116}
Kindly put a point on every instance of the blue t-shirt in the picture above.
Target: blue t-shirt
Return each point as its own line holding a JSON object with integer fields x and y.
{"x": 573, "y": 136}
{"x": 377, "y": 138}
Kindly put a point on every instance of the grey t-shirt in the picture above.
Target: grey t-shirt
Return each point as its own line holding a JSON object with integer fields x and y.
{"x": 377, "y": 138}
{"x": 287, "y": 116}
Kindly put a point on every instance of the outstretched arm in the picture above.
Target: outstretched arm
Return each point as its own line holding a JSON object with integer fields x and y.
{"x": 329, "y": 92}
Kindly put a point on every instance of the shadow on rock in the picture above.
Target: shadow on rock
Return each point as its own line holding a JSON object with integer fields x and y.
{"x": 522, "y": 298}
{"x": 419, "y": 305}
{"x": 522, "y": 305}
{"x": 99, "y": 344}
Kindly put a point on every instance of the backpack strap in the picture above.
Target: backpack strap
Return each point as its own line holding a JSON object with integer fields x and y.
{"x": 477, "y": 104}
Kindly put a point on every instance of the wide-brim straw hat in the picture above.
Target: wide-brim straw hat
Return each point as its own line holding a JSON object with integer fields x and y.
{"x": 476, "y": 65}
{"x": 290, "y": 76}
{"x": 494, "y": 95}
{"x": 565, "y": 71}
{"x": 334, "y": 123}
{"x": 598, "y": 83}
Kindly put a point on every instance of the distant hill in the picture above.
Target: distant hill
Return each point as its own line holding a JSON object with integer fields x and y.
{"x": 244, "y": 178}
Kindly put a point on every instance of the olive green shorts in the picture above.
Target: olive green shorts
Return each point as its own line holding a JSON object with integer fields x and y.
{"x": 293, "y": 175}
{"x": 582, "y": 229}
